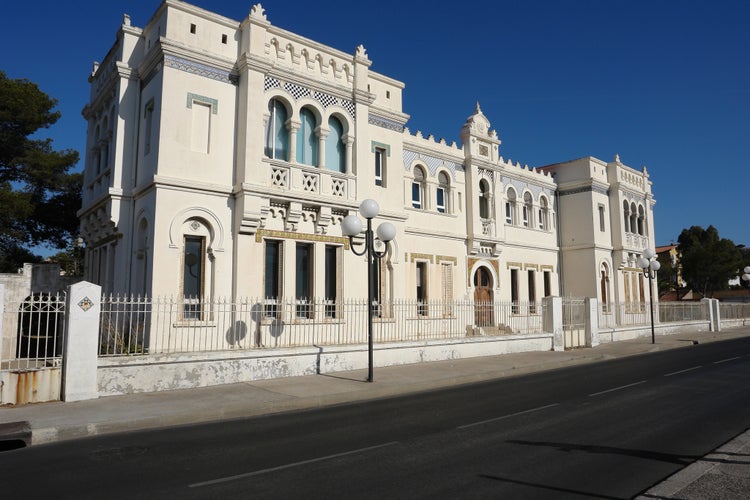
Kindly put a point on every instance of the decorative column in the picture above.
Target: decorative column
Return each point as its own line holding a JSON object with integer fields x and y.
{"x": 81, "y": 346}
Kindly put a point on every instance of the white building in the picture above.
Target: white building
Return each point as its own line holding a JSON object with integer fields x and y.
{"x": 222, "y": 156}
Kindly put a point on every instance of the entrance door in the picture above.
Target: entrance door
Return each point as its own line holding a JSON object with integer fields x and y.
{"x": 483, "y": 297}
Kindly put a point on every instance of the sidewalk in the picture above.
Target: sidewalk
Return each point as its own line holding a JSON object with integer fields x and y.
{"x": 58, "y": 421}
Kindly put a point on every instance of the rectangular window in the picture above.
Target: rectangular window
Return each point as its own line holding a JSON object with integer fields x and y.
{"x": 601, "y": 218}
{"x": 416, "y": 195}
{"x": 532, "y": 291}
{"x": 508, "y": 213}
{"x": 223, "y": 39}
{"x": 192, "y": 277}
{"x": 377, "y": 289}
{"x": 331, "y": 280}
{"x": 303, "y": 280}
{"x": 547, "y": 284}
{"x": 272, "y": 279}
{"x": 525, "y": 212}
{"x": 441, "y": 200}
{"x": 514, "y": 290}
{"x": 379, "y": 166}
{"x": 447, "y": 285}
{"x": 200, "y": 127}
{"x": 149, "y": 118}
{"x": 422, "y": 288}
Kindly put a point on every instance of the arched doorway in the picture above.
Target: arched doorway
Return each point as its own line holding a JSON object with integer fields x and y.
{"x": 483, "y": 297}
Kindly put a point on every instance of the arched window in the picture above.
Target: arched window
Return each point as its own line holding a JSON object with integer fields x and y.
{"x": 633, "y": 218}
{"x": 335, "y": 157}
{"x": 417, "y": 188}
{"x": 543, "y": 210}
{"x": 527, "y": 209}
{"x": 277, "y": 135}
{"x": 641, "y": 217}
{"x": 484, "y": 199}
{"x": 444, "y": 185}
{"x": 626, "y": 216}
{"x": 510, "y": 206}
{"x": 307, "y": 140}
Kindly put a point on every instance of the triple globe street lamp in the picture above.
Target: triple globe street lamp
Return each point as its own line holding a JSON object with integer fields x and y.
{"x": 746, "y": 276}
{"x": 352, "y": 226}
{"x": 650, "y": 265}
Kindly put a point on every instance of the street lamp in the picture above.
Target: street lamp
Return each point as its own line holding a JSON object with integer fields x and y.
{"x": 352, "y": 226}
{"x": 650, "y": 265}
{"x": 746, "y": 276}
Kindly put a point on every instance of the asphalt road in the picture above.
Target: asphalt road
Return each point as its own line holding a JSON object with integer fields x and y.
{"x": 605, "y": 430}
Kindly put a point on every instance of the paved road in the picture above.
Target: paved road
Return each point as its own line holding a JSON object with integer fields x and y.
{"x": 606, "y": 430}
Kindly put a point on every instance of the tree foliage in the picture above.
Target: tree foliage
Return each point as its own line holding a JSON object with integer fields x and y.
{"x": 38, "y": 195}
{"x": 708, "y": 261}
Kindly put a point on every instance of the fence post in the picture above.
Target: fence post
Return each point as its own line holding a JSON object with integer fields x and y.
{"x": 717, "y": 314}
{"x": 80, "y": 351}
{"x": 709, "y": 312}
{"x": 553, "y": 321}
{"x": 592, "y": 322}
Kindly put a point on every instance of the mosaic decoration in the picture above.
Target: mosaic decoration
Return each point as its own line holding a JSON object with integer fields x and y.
{"x": 299, "y": 91}
{"x": 200, "y": 69}
{"x": 385, "y": 123}
{"x": 85, "y": 304}
{"x": 432, "y": 162}
{"x": 213, "y": 103}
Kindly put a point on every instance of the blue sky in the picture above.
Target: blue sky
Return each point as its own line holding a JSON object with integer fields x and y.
{"x": 665, "y": 84}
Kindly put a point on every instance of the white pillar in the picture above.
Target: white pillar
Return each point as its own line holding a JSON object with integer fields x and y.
{"x": 80, "y": 351}
{"x": 592, "y": 322}
{"x": 553, "y": 321}
{"x": 707, "y": 303}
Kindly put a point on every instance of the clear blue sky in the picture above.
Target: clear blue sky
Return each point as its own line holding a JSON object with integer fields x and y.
{"x": 664, "y": 84}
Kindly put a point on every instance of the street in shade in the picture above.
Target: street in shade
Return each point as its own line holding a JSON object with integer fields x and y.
{"x": 602, "y": 430}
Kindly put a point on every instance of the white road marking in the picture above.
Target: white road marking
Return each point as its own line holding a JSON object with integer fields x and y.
{"x": 683, "y": 371}
{"x": 617, "y": 388}
{"x": 287, "y": 466}
{"x": 506, "y": 416}
{"x": 728, "y": 359}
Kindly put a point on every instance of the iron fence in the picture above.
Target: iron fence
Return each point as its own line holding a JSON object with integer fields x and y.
{"x": 138, "y": 325}
{"x": 33, "y": 332}
{"x": 732, "y": 310}
{"x": 682, "y": 311}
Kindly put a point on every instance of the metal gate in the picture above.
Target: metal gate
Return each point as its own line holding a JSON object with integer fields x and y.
{"x": 33, "y": 333}
{"x": 574, "y": 322}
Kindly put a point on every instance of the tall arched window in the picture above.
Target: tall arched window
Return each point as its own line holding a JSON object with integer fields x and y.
{"x": 626, "y": 216}
{"x": 417, "y": 189}
{"x": 307, "y": 140}
{"x": 444, "y": 185}
{"x": 335, "y": 157}
{"x": 277, "y": 135}
{"x": 543, "y": 210}
{"x": 510, "y": 206}
{"x": 633, "y": 218}
{"x": 527, "y": 209}
{"x": 484, "y": 199}
{"x": 641, "y": 217}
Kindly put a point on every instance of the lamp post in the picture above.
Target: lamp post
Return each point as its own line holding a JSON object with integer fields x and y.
{"x": 352, "y": 226}
{"x": 650, "y": 265}
{"x": 746, "y": 276}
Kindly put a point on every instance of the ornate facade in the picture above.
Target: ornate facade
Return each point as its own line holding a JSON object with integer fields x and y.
{"x": 222, "y": 156}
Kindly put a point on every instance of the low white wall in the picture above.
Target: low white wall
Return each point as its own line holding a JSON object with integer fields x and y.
{"x": 182, "y": 371}
{"x": 607, "y": 335}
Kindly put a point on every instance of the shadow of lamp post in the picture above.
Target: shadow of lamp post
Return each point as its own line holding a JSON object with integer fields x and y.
{"x": 352, "y": 226}
{"x": 650, "y": 265}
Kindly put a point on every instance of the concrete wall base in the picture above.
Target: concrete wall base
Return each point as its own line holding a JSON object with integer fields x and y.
{"x": 607, "y": 335}
{"x": 117, "y": 376}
